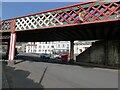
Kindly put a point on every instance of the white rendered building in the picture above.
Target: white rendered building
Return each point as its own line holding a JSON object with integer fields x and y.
{"x": 81, "y": 46}
{"x": 48, "y": 47}
{"x": 57, "y": 47}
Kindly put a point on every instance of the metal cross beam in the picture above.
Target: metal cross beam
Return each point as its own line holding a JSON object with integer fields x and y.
{"x": 74, "y": 14}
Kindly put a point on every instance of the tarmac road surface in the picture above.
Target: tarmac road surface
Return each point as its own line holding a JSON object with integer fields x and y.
{"x": 31, "y": 74}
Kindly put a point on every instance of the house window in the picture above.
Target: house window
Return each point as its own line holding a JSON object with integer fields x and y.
{"x": 63, "y": 45}
{"x": 52, "y": 46}
{"x": 34, "y": 51}
{"x": 58, "y": 45}
{"x": 67, "y": 45}
{"x": 45, "y": 51}
{"x": 80, "y": 50}
{"x": 76, "y": 48}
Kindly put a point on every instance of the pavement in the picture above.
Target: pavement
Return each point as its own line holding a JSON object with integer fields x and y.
{"x": 95, "y": 65}
{"x": 0, "y": 75}
{"x": 31, "y": 74}
{"x": 5, "y": 83}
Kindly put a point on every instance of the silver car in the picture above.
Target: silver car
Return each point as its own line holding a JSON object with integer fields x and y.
{"x": 45, "y": 56}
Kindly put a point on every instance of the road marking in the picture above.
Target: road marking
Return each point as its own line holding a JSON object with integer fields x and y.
{"x": 43, "y": 75}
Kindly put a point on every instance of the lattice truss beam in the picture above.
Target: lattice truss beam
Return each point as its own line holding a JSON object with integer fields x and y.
{"x": 38, "y": 21}
{"x": 94, "y": 11}
{"x": 91, "y": 12}
{"x": 5, "y": 26}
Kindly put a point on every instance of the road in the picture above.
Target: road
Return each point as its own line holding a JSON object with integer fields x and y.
{"x": 0, "y": 75}
{"x": 31, "y": 74}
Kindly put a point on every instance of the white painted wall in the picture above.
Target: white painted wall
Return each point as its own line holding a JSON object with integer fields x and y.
{"x": 58, "y": 46}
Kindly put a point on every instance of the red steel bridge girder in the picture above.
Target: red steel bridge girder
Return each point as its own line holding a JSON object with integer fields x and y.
{"x": 93, "y": 12}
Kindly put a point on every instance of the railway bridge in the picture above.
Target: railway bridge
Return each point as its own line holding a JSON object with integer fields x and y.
{"x": 94, "y": 20}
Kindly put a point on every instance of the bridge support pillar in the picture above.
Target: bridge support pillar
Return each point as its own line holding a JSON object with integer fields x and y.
{"x": 12, "y": 49}
{"x": 105, "y": 53}
{"x": 71, "y": 52}
{"x": 12, "y": 43}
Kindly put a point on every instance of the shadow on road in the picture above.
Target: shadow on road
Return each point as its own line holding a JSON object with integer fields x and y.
{"x": 19, "y": 79}
{"x": 58, "y": 61}
{"x": 37, "y": 59}
{"x": 53, "y": 61}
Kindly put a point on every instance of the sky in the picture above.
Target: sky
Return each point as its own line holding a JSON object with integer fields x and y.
{"x": 16, "y": 9}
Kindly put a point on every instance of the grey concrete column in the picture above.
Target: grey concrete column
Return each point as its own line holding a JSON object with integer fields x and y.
{"x": 102, "y": 53}
{"x": 71, "y": 51}
{"x": 105, "y": 62}
{"x": 119, "y": 55}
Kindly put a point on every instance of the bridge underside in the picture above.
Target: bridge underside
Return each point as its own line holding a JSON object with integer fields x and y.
{"x": 94, "y": 31}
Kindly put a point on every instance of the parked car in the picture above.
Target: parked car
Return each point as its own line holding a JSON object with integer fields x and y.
{"x": 45, "y": 56}
{"x": 64, "y": 57}
{"x": 57, "y": 56}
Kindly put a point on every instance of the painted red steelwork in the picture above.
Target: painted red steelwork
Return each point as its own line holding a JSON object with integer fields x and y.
{"x": 66, "y": 17}
{"x": 102, "y": 21}
{"x": 12, "y": 40}
{"x": 62, "y": 18}
{"x": 13, "y": 22}
{"x": 12, "y": 46}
